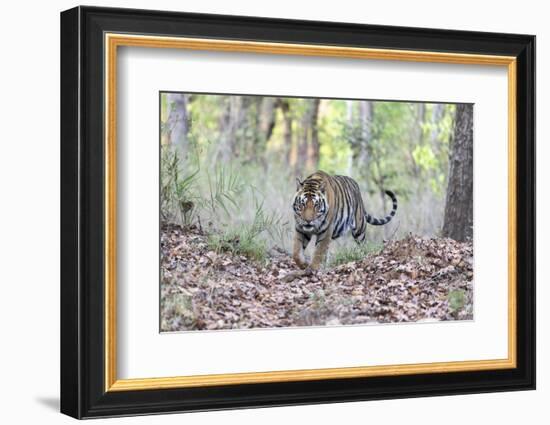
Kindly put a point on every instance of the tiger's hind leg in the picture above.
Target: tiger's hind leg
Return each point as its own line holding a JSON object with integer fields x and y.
{"x": 301, "y": 241}
{"x": 360, "y": 237}
{"x": 359, "y": 232}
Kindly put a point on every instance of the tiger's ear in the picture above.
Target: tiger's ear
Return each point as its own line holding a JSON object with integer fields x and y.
{"x": 299, "y": 183}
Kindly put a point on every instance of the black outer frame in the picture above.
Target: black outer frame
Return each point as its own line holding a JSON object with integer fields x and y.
{"x": 82, "y": 218}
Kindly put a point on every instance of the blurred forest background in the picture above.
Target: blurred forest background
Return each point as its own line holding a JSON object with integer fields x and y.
{"x": 229, "y": 165}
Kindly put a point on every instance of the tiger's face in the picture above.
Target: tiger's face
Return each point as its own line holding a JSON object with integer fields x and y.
{"x": 310, "y": 209}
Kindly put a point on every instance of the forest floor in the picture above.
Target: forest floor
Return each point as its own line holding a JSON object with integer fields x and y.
{"x": 411, "y": 280}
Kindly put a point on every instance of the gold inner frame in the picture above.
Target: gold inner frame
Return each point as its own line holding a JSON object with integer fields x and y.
{"x": 113, "y": 41}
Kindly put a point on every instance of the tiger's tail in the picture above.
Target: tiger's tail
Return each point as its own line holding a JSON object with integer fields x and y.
{"x": 381, "y": 221}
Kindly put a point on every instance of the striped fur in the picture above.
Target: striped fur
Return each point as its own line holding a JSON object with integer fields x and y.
{"x": 328, "y": 207}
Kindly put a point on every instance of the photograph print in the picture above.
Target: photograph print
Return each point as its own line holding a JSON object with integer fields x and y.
{"x": 281, "y": 212}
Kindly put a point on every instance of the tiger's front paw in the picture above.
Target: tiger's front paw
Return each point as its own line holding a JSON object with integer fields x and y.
{"x": 300, "y": 263}
{"x": 315, "y": 265}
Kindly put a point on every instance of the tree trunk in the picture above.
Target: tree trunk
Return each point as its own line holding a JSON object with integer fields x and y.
{"x": 314, "y": 146}
{"x": 418, "y": 134}
{"x": 305, "y": 163}
{"x": 303, "y": 139}
{"x": 266, "y": 120}
{"x": 287, "y": 130}
{"x": 459, "y": 214}
{"x": 361, "y": 157}
{"x": 349, "y": 124}
{"x": 437, "y": 115}
{"x": 265, "y": 123}
{"x": 178, "y": 121}
{"x": 231, "y": 122}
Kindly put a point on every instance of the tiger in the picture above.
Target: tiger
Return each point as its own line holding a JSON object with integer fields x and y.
{"x": 328, "y": 207}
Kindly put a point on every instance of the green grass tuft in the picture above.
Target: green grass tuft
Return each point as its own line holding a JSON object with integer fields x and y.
{"x": 457, "y": 299}
{"x": 239, "y": 242}
{"x": 356, "y": 252}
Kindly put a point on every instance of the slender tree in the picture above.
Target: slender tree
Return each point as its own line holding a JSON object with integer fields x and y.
{"x": 419, "y": 119}
{"x": 303, "y": 137}
{"x": 458, "y": 219}
{"x": 438, "y": 110}
{"x": 287, "y": 129}
{"x": 265, "y": 118}
{"x": 348, "y": 131}
{"x": 308, "y": 138}
{"x": 361, "y": 153}
{"x": 314, "y": 146}
{"x": 232, "y": 125}
{"x": 178, "y": 120}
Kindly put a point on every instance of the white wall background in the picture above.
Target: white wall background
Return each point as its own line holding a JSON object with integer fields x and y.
{"x": 29, "y": 211}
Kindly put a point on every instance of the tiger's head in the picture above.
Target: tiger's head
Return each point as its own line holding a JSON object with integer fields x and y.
{"x": 310, "y": 205}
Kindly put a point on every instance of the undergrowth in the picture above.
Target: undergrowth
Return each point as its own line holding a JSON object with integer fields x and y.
{"x": 249, "y": 239}
{"x": 348, "y": 253}
{"x": 183, "y": 194}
